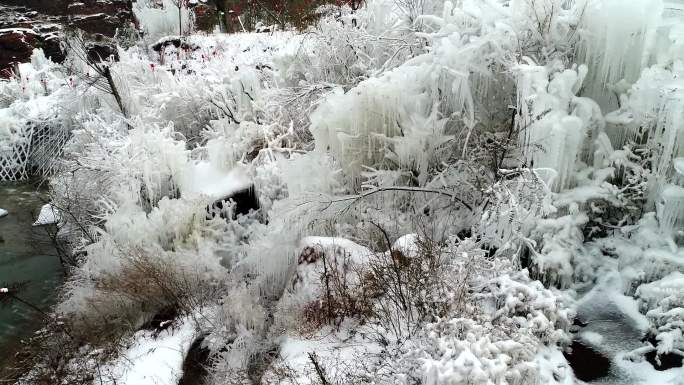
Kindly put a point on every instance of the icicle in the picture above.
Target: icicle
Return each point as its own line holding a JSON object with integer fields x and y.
{"x": 617, "y": 41}
{"x": 678, "y": 177}
{"x": 545, "y": 121}
{"x": 671, "y": 208}
{"x": 653, "y": 110}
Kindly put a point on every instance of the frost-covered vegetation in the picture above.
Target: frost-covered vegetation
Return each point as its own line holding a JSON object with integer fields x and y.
{"x": 440, "y": 193}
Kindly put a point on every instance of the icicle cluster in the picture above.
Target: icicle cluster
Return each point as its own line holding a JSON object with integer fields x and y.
{"x": 553, "y": 122}
{"x": 617, "y": 39}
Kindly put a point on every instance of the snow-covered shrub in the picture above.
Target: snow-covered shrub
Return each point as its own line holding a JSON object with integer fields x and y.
{"x": 408, "y": 117}
{"x": 494, "y": 342}
{"x": 170, "y": 248}
{"x": 488, "y": 307}
{"x": 462, "y": 350}
{"x": 239, "y": 337}
{"x": 663, "y": 300}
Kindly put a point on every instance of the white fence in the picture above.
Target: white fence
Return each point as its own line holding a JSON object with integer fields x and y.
{"x": 35, "y": 153}
{"x": 14, "y": 158}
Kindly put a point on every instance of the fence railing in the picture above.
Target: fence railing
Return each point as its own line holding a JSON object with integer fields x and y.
{"x": 34, "y": 153}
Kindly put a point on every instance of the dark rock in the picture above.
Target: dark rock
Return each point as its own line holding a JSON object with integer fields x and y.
{"x": 97, "y": 24}
{"x": 173, "y": 41}
{"x": 167, "y": 42}
{"x": 664, "y": 361}
{"x": 100, "y": 52}
{"x": 17, "y": 45}
{"x": 243, "y": 202}
{"x": 196, "y": 363}
{"x": 162, "y": 320}
{"x": 579, "y": 322}
{"x": 587, "y": 363}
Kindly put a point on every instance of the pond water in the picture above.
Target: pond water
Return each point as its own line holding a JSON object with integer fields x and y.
{"x": 27, "y": 257}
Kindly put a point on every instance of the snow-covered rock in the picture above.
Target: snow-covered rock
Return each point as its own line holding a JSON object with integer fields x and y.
{"x": 3, "y": 213}
{"x": 408, "y": 245}
{"x": 49, "y": 215}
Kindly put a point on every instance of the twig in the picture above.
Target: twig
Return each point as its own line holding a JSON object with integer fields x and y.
{"x": 366, "y": 194}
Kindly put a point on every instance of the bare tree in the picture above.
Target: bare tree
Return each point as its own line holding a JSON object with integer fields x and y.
{"x": 411, "y": 8}
{"x": 103, "y": 78}
{"x": 180, "y": 4}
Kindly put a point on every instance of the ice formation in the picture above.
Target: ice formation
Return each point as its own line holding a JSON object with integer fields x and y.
{"x": 162, "y": 20}
{"x": 554, "y": 123}
{"x": 617, "y": 40}
{"x": 671, "y": 208}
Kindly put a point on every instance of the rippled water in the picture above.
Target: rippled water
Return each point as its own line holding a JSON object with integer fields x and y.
{"x": 26, "y": 256}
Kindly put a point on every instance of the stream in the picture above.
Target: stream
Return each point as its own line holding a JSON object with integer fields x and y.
{"x": 610, "y": 326}
{"x": 27, "y": 257}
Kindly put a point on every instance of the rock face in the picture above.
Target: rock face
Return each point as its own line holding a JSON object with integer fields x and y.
{"x": 29, "y": 24}
{"x": 17, "y": 45}
{"x": 92, "y": 16}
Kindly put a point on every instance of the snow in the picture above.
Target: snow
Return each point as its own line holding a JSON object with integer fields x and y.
{"x": 553, "y": 368}
{"x": 151, "y": 359}
{"x": 356, "y": 252}
{"x": 593, "y": 338}
{"x": 333, "y": 348}
{"x": 607, "y": 294}
{"x": 48, "y": 215}
{"x": 205, "y": 178}
{"x": 408, "y": 245}
{"x": 643, "y": 373}
{"x": 3, "y": 212}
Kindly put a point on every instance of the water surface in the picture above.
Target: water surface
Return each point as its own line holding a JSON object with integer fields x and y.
{"x": 28, "y": 257}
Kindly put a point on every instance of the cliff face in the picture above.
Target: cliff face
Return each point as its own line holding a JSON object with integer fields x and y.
{"x": 29, "y": 24}
{"x": 93, "y": 16}
{"x": 64, "y": 7}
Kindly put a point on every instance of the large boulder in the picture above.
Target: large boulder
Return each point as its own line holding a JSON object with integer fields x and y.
{"x": 17, "y": 45}
{"x": 29, "y": 24}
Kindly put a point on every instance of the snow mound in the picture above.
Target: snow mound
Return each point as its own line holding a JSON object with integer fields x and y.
{"x": 151, "y": 360}
{"x": 49, "y": 215}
